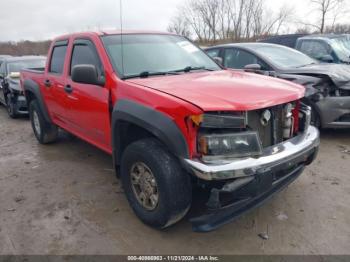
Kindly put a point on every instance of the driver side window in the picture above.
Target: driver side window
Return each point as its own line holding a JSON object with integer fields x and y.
{"x": 84, "y": 53}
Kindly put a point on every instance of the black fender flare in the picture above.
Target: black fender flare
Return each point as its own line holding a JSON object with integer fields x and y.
{"x": 153, "y": 121}
{"x": 31, "y": 86}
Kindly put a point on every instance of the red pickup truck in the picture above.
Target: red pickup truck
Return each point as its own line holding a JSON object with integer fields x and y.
{"x": 174, "y": 120}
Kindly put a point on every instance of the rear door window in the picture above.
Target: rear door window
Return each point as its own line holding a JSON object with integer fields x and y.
{"x": 57, "y": 59}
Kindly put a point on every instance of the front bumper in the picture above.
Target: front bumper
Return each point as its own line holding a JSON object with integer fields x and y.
{"x": 20, "y": 105}
{"x": 288, "y": 152}
{"x": 247, "y": 183}
{"x": 255, "y": 193}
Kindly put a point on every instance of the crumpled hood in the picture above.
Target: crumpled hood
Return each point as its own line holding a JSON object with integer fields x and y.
{"x": 225, "y": 90}
{"x": 338, "y": 73}
{"x": 14, "y": 83}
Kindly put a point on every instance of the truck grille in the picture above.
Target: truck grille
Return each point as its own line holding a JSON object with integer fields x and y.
{"x": 271, "y": 131}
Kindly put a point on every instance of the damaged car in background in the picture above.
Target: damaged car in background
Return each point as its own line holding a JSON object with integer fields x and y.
{"x": 11, "y": 94}
{"x": 327, "y": 85}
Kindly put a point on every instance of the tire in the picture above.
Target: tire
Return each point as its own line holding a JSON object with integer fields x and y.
{"x": 44, "y": 131}
{"x": 315, "y": 119}
{"x": 173, "y": 185}
{"x": 11, "y": 108}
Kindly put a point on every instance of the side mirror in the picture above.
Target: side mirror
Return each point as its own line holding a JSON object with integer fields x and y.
{"x": 252, "y": 68}
{"x": 327, "y": 59}
{"x": 86, "y": 74}
{"x": 218, "y": 60}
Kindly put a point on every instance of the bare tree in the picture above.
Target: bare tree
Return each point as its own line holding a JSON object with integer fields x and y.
{"x": 228, "y": 20}
{"x": 326, "y": 8}
{"x": 179, "y": 25}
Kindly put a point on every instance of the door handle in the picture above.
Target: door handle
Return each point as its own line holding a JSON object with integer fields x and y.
{"x": 47, "y": 83}
{"x": 68, "y": 89}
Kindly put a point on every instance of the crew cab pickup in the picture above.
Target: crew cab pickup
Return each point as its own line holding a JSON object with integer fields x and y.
{"x": 173, "y": 120}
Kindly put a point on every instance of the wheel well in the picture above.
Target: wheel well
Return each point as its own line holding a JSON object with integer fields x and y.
{"x": 29, "y": 97}
{"x": 128, "y": 133}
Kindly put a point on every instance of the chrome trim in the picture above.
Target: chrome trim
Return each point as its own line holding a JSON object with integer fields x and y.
{"x": 278, "y": 154}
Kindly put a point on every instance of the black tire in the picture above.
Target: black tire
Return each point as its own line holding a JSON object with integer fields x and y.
{"x": 11, "y": 108}
{"x": 315, "y": 118}
{"x": 44, "y": 131}
{"x": 173, "y": 184}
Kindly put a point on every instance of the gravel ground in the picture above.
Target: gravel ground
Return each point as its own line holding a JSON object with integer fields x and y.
{"x": 65, "y": 199}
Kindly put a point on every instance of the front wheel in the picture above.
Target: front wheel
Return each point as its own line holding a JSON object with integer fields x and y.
{"x": 44, "y": 131}
{"x": 11, "y": 107}
{"x": 157, "y": 188}
{"x": 315, "y": 119}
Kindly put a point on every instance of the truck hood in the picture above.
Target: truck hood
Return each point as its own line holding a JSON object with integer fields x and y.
{"x": 225, "y": 90}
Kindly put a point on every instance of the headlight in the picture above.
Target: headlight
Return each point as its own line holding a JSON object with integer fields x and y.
{"x": 230, "y": 145}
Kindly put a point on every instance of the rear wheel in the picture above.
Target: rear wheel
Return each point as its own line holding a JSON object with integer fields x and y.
{"x": 44, "y": 131}
{"x": 157, "y": 188}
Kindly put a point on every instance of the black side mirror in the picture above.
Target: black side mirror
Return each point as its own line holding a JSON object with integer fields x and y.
{"x": 87, "y": 74}
{"x": 218, "y": 60}
{"x": 327, "y": 59}
{"x": 252, "y": 68}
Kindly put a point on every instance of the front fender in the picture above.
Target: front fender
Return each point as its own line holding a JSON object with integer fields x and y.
{"x": 153, "y": 121}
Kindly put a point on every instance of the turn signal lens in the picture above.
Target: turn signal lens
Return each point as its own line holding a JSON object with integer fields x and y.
{"x": 197, "y": 119}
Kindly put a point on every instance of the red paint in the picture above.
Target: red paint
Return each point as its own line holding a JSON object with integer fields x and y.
{"x": 85, "y": 112}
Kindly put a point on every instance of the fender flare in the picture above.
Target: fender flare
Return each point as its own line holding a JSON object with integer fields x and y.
{"x": 153, "y": 121}
{"x": 31, "y": 86}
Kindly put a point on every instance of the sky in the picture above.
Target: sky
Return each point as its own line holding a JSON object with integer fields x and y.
{"x": 45, "y": 19}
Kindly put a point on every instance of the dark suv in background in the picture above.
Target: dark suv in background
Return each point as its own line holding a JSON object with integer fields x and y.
{"x": 325, "y": 48}
{"x": 11, "y": 94}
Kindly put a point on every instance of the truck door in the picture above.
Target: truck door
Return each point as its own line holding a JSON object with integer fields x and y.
{"x": 88, "y": 105}
{"x": 54, "y": 83}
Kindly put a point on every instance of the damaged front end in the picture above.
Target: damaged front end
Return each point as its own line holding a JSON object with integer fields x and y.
{"x": 329, "y": 97}
{"x": 238, "y": 173}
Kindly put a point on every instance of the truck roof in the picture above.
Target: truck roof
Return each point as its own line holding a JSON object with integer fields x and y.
{"x": 112, "y": 32}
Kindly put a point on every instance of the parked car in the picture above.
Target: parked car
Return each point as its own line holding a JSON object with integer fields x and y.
{"x": 173, "y": 119}
{"x": 327, "y": 85}
{"x": 11, "y": 94}
{"x": 329, "y": 48}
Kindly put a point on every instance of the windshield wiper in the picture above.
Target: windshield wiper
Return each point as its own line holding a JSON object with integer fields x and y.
{"x": 187, "y": 69}
{"x": 146, "y": 74}
{"x": 190, "y": 68}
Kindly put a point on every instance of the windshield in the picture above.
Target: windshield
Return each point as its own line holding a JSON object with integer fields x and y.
{"x": 284, "y": 57}
{"x": 144, "y": 54}
{"x": 25, "y": 64}
{"x": 341, "y": 47}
